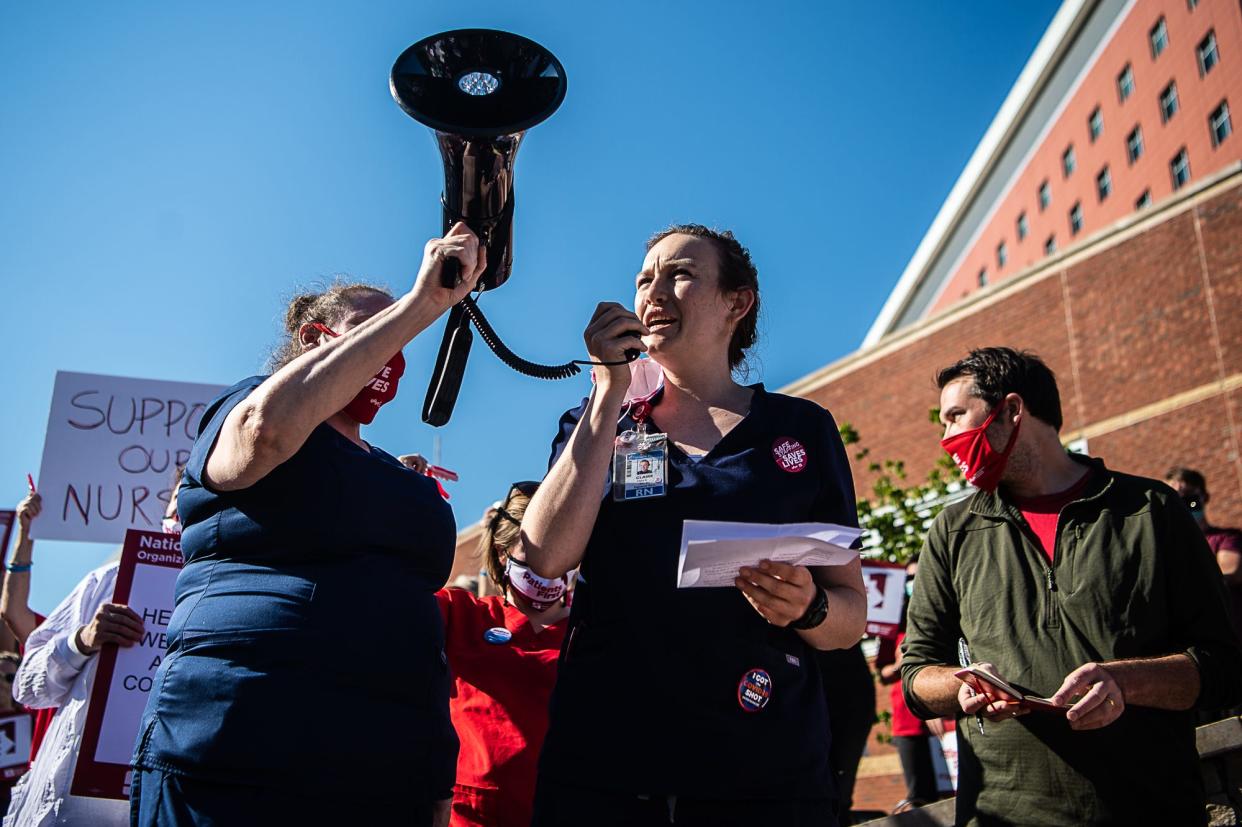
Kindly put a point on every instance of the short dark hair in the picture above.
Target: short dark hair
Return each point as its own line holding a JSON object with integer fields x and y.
{"x": 998, "y": 371}
{"x": 1187, "y": 476}
{"x": 737, "y": 271}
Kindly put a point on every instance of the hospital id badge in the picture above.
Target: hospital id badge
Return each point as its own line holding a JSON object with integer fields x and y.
{"x": 639, "y": 465}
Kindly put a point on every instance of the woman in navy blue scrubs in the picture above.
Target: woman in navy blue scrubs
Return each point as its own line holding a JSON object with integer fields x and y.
{"x": 693, "y": 706}
{"x": 305, "y": 680}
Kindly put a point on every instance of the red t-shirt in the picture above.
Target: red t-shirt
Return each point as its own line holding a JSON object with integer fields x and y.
{"x": 1223, "y": 539}
{"x": 499, "y": 706}
{"x": 1043, "y": 514}
{"x": 42, "y": 717}
{"x": 905, "y": 723}
{"x": 1228, "y": 539}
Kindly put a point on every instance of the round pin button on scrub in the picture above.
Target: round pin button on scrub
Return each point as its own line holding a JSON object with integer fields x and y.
{"x": 498, "y": 635}
{"x": 754, "y": 690}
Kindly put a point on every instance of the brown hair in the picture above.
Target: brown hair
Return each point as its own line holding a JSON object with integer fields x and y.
{"x": 501, "y": 534}
{"x": 1187, "y": 476}
{"x": 737, "y": 272}
{"x": 11, "y": 657}
{"x": 327, "y": 306}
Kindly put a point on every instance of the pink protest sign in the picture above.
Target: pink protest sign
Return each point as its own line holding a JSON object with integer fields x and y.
{"x": 886, "y": 595}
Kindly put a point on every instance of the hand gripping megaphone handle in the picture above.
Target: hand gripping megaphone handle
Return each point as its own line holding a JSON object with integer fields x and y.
{"x": 450, "y": 273}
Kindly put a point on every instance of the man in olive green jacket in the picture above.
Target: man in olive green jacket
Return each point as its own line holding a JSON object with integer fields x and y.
{"x": 1075, "y": 583}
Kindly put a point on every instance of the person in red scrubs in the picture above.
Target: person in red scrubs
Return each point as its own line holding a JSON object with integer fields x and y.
{"x": 502, "y": 653}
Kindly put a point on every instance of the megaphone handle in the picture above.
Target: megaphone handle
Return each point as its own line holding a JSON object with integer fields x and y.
{"x": 449, "y": 370}
{"x": 450, "y": 273}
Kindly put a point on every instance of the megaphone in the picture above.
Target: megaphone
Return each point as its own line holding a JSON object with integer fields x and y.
{"x": 480, "y": 90}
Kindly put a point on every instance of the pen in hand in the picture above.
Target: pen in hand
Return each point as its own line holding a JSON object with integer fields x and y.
{"x": 963, "y": 658}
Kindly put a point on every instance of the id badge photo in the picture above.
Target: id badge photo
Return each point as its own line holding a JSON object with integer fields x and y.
{"x": 639, "y": 466}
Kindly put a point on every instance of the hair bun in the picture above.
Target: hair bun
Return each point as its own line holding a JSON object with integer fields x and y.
{"x": 327, "y": 305}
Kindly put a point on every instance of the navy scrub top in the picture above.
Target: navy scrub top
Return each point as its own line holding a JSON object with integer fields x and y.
{"x": 647, "y": 693}
{"x": 306, "y": 650}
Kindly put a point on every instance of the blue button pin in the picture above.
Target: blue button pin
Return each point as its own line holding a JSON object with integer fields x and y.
{"x": 498, "y": 635}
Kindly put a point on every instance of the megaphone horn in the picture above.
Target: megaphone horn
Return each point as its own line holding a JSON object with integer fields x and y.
{"x": 480, "y": 90}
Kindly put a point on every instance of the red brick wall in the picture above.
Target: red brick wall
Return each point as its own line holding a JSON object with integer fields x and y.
{"x": 1123, "y": 327}
{"x": 1198, "y": 96}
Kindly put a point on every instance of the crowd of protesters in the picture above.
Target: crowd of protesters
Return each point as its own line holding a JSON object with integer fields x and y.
{"x": 589, "y": 689}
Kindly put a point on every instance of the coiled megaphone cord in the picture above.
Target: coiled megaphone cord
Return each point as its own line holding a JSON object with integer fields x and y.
{"x": 524, "y": 366}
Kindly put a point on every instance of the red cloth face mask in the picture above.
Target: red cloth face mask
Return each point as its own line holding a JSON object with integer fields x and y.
{"x": 980, "y": 463}
{"x": 379, "y": 390}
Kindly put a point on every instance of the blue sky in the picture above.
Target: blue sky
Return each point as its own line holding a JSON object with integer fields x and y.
{"x": 170, "y": 172}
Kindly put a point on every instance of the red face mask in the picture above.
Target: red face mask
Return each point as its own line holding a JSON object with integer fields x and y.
{"x": 379, "y": 390}
{"x": 980, "y": 463}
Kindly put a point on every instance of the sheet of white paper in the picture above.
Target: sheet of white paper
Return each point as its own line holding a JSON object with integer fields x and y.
{"x": 713, "y": 552}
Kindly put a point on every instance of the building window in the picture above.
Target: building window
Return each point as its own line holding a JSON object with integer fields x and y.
{"x": 1095, "y": 124}
{"x": 1168, "y": 102}
{"x": 1068, "y": 162}
{"x": 1143, "y": 201}
{"x": 1208, "y": 55}
{"x": 1159, "y": 36}
{"x": 983, "y": 277}
{"x": 1050, "y": 246}
{"x": 1002, "y": 255}
{"x": 1179, "y": 167}
{"x": 1023, "y": 228}
{"x": 1104, "y": 184}
{"x": 1075, "y": 217}
{"x": 1134, "y": 144}
{"x": 1190, "y": 4}
{"x": 1125, "y": 83}
{"x": 1219, "y": 124}
{"x": 1045, "y": 196}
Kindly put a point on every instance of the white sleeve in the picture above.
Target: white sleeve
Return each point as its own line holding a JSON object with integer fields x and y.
{"x": 51, "y": 663}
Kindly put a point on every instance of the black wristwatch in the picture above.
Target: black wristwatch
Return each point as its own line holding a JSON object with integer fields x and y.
{"x": 815, "y": 614}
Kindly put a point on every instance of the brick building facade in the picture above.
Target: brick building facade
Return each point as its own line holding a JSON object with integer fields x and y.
{"x": 1113, "y": 128}
{"x": 1142, "y": 324}
{"x": 1122, "y": 104}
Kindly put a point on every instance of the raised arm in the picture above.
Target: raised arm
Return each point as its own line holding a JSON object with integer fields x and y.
{"x": 15, "y": 593}
{"x": 561, "y": 515}
{"x": 274, "y": 421}
{"x": 53, "y": 658}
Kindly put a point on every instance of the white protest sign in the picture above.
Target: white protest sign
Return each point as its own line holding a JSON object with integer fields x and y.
{"x": 146, "y": 582}
{"x": 886, "y": 596}
{"x": 108, "y": 456}
{"x": 944, "y": 757}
